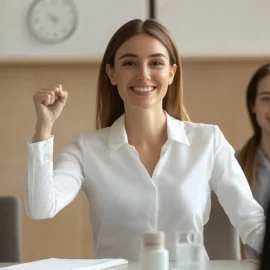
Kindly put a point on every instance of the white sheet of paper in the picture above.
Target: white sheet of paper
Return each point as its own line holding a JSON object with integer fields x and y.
{"x": 68, "y": 264}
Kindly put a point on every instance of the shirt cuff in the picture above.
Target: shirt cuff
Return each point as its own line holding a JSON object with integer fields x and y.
{"x": 40, "y": 152}
{"x": 259, "y": 240}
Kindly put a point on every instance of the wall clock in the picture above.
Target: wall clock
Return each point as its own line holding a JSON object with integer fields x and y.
{"x": 52, "y": 21}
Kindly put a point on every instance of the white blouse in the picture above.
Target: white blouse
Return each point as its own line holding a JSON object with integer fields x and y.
{"x": 125, "y": 201}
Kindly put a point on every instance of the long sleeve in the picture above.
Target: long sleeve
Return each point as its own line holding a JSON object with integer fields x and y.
{"x": 230, "y": 185}
{"x": 50, "y": 186}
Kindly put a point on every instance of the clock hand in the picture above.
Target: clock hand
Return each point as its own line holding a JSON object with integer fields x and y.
{"x": 53, "y": 18}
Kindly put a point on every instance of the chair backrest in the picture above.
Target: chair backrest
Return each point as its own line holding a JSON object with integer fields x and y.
{"x": 10, "y": 229}
{"x": 221, "y": 239}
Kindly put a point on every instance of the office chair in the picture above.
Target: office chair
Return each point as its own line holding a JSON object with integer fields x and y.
{"x": 221, "y": 239}
{"x": 10, "y": 229}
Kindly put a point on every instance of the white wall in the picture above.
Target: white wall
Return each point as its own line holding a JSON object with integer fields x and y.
{"x": 218, "y": 27}
{"x": 201, "y": 28}
{"x": 3, "y": 28}
{"x": 98, "y": 20}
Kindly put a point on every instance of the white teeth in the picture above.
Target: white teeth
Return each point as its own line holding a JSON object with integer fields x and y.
{"x": 143, "y": 89}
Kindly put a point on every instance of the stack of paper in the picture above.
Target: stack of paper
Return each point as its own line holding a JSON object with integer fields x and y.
{"x": 69, "y": 264}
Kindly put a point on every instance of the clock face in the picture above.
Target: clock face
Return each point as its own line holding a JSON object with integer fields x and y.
{"x": 52, "y": 21}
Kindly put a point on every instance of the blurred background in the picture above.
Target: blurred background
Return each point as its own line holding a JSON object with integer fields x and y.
{"x": 221, "y": 44}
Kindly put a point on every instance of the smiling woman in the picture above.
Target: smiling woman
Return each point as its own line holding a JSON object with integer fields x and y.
{"x": 254, "y": 157}
{"x": 142, "y": 77}
{"x": 146, "y": 168}
{"x": 139, "y": 47}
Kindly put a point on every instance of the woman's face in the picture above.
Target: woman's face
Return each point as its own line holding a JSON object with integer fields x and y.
{"x": 142, "y": 72}
{"x": 262, "y": 104}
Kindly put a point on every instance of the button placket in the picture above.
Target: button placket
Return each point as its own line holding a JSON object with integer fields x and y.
{"x": 157, "y": 174}
{"x": 151, "y": 207}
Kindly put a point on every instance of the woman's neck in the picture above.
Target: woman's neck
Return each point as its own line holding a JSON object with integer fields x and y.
{"x": 146, "y": 126}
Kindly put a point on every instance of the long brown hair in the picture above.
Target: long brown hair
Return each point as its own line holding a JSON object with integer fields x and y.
{"x": 109, "y": 105}
{"x": 248, "y": 155}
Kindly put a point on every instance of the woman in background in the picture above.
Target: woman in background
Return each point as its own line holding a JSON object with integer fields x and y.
{"x": 254, "y": 157}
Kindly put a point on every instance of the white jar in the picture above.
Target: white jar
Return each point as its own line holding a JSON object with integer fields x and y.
{"x": 190, "y": 251}
{"x": 153, "y": 254}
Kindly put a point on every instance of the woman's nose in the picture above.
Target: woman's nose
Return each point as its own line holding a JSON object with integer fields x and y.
{"x": 143, "y": 73}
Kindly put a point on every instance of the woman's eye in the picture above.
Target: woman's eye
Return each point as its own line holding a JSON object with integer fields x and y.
{"x": 265, "y": 98}
{"x": 157, "y": 63}
{"x": 129, "y": 63}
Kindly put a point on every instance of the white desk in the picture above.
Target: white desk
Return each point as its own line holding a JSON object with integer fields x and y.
{"x": 211, "y": 265}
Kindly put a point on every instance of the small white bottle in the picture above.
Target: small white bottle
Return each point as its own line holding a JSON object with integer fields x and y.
{"x": 153, "y": 254}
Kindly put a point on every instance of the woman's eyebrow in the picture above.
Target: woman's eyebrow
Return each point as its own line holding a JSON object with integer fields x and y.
{"x": 135, "y": 56}
{"x": 264, "y": 93}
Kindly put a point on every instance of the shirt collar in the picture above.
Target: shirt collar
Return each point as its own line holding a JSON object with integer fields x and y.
{"x": 176, "y": 130}
{"x": 118, "y": 135}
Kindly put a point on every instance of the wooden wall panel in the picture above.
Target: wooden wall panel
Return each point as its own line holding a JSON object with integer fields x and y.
{"x": 214, "y": 93}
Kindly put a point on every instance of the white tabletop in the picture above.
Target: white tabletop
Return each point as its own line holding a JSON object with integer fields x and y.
{"x": 211, "y": 265}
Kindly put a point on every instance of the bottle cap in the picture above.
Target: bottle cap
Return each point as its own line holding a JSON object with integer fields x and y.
{"x": 154, "y": 239}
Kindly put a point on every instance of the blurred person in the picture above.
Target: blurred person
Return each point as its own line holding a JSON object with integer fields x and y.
{"x": 254, "y": 157}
